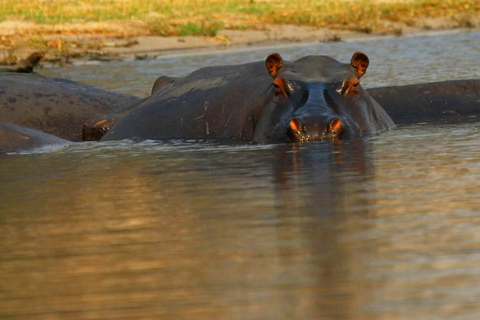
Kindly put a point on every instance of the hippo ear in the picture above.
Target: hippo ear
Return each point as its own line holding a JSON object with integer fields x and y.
{"x": 273, "y": 63}
{"x": 359, "y": 63}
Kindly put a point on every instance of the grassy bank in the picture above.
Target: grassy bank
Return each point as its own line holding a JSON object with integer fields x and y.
{"x": 206, "y": 17}
{"x": 69, "y": 28}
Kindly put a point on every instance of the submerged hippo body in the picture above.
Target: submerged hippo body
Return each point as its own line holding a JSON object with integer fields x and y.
{"x": 437, "y": 102}
{"x": 56, "y": 106}
{"x": 15, "y": 138}
{"x": 313, "y": 98}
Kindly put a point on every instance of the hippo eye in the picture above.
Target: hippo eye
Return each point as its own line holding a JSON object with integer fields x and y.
{"x": 353, "y": 89}
{"x": 277, "y": 90}
{"x": 290, "y": 88}
{"x": 280, "y": 87}
{"x": 343, "y": 88}
{"x": 349, "y": 87}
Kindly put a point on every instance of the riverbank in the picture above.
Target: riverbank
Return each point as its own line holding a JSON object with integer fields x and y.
{"x": 151, "y": 47}
{"x": 141, "y": 30}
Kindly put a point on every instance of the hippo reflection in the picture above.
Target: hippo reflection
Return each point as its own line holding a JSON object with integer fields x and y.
{"x": 313, "y": 98}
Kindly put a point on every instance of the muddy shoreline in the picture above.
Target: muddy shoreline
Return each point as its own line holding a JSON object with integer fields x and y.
{"x": 83, "y": 48}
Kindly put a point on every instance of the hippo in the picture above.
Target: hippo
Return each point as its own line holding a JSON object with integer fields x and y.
{"x": 436, "y": 102}
{"x": 56, "y": 106}
{"x": 15, "y": 138}
{"x": 315, "y": 98}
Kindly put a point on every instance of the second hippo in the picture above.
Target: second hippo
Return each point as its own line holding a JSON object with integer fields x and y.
{"x": 56, "y": 106}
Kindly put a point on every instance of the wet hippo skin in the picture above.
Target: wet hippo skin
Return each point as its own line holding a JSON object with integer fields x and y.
{"x": 440, "y": 102}
{"x": 313, "y": 98}
{"x": 16, "y": 138}
{"x": 56, "y": 106}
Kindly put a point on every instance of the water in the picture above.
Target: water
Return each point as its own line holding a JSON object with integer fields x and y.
{"x": 394, "y": 61}
{"x": 377, "y": 228}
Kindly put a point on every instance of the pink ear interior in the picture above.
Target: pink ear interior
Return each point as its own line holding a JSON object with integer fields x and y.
{"x": 360, "y": 62}
{"x": 273, "y": 63}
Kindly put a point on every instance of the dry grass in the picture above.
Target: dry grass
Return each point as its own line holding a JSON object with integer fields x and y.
{"x": 206, "y": 17}
{"x": 66, "y": 28}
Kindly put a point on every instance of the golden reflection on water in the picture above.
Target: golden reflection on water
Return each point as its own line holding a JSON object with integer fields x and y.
{"x": 378, "y": 229}
{"x": 427, "y": 223}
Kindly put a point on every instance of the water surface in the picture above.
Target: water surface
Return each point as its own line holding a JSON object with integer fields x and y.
{"x": 379, "y": 228}
{"x": 393, "y": 61}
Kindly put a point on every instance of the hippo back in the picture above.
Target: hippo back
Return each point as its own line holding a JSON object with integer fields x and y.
{"x": 15, "y": 138}
{"x": 438, "y": 102}
{"x": 224, "y": 101}
{"x": 56, "y": 106}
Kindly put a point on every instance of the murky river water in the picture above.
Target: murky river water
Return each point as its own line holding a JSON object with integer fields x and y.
{"x": 379, "y": 228}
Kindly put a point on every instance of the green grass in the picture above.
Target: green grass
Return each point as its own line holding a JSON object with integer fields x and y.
{"x": 204, "y": 29}
{"x": 206, "y": 17}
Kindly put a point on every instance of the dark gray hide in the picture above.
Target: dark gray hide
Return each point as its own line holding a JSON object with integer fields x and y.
{"x": 258, "y": 102}
{"x": 56, "y": 106}
{"x": 16, "y": 138}
{"x": 437, "y": 102}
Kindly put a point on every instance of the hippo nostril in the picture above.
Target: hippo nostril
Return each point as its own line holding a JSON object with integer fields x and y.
{"x": 295, "y": 124}
{"x": 296, "y": 130}
{"x": 335, "y": 128}
{"x": 335, "y": 124}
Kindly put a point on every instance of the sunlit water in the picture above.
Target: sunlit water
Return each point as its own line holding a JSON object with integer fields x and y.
{"x": 379, "y": 228}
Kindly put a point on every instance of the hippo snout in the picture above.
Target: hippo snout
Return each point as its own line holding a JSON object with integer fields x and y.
{"x": 308, "y": 129}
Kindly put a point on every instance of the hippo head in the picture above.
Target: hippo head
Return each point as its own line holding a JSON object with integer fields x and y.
{"x": 317, "y": 98}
